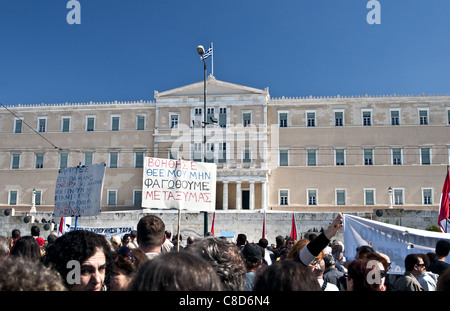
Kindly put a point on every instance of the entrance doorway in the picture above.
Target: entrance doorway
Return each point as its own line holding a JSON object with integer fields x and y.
{"x": 245, "y": 199}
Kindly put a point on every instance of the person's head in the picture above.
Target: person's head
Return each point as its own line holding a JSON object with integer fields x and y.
{"x": 414, "y": 264}
{"x": 35, "y": 231}
{"x": 286, "y": 275}
{"x": 329, "y": 261}
{"x": 290, "y": 242}
{"x": 116, "y": 242}
{"x": 225, "y": 258}
{"x": 126, "y": 239}
{"x": 294, "y": 251}
{"x": 127, "y": 262}
{"x": 241, "y": 239}
{"x": 150, "y": 233}
{"x": 168, "y": 234}
{"x": 176, "y": 271}
{"x": 318, "y": 267}
{"x": 253, "y": 256}
{"x": 15, "y": 234}
{"x": 360, "y": 271}
{"x": 263, "y": 243}
{"x": 280, "y": 241}
{"x": 426, "y": 261}
{"x": 190, "y": 240}
{"x": 133, "y": 235}
{"x": 442, "y": 248}
{"x": 27, "y": 247}
{"x": 361, "y": 251}
{"x": 84, "y": 249}
{"x": 21, "y": 274}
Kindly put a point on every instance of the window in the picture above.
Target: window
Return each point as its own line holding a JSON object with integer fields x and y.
{"x": 88, "y": 158}
{"x": 37, "y": 197}
{"x": 369, "y": 197}
{"x": 425, "y": 156}
{"x": 397, "y": 156}
{"x": 246, "y": 156}
{"x": 448, "y": 116}
{"x": 137, "y": 197}
{"x": 339, "y": 156}
{"x": 198, "y": 117}
{"x": 339, "y": 118}
{"x": 138, "y": 159}
{"x": 15, "y": 161}
{"x": 312, "y": 197}
{"x": 197, "y": 152}
{"x": 222, "y": 152}
{"x": 209, "y": 115}
{"x": 112, "y": 197}
{"x": 423, "y": 116}
{"x": 210, "y": 152}
{"x": 63, "y": 160}
{"x": 310, "y": 119}
{"x": 395, "y": 117}
{"x": 340, "y": 197}
{"x": 282, "y": 119}
{"x": 90, "y": 123}
{"x": 398, "y": 196}
{"x": 113, "y": 159}
{"x": 427, "y": 196}
{"x": 39, "y": 161}
{"x": 223, "y": 117}
{"x": 115, "y": 123}
{"x": 18, "y": 125}
{"x": 42, "y": 125}
{"x": 284, "y": 158}
{"x": 140, "y": 122}
{"x": 368, "y": 156}
{"x": 311, "y": 154}
{"x": 13, "y": 197}
{"x": 367, "y": 117}
{"x": 246, "y": 118}
{"x": 173, "y": 121}
{"x": 65, "y": 124}
{"x": 284, "y": 197}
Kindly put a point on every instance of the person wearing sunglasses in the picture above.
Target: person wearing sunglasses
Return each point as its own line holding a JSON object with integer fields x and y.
{"x": 414, "y": 266}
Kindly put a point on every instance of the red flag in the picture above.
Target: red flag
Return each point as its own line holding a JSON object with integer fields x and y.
{"x": 264, "y": 233}
{"x": 212, "y": 227}
{"x": 293, "y": 229}
{"x": 64, "y": 223}
{"x": 443, "y": 210}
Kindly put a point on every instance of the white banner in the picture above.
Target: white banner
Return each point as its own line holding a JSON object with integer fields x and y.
{"x": 395, "y": 241}
{"x": 106, "y": 231}
{"x": 179, "y": 184}
{"x": 78, "y": 191}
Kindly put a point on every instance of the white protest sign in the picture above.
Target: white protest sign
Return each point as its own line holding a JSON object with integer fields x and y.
{"x": 179, "y": 184}
{"x": 395, "y": 241}
{"x": 78, "y": 191}
{"x": 106, "y": 231}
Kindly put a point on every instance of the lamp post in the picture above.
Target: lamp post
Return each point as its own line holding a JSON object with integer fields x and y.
{"x": 390, "y": 197}
{"x": 201, "y": 51}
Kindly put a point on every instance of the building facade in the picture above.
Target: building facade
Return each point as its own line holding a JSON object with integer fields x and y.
{"x": 298, "y": 154}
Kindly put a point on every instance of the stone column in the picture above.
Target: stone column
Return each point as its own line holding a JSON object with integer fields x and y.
{"x": 238, "y": 195}
{"x": 252, "y": 195}
{"x": 225, "y": 196}
{"x": 264, "y": 195}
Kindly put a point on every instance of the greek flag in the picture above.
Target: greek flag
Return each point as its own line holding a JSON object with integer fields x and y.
{"x": 208, "y": 53}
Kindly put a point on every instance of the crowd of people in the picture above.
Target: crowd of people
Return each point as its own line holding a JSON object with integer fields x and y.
{"x": 150, "y": 258}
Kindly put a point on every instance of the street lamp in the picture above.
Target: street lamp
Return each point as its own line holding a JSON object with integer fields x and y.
{"x": 390, "y": 197}
{"x": 201, "y": 51}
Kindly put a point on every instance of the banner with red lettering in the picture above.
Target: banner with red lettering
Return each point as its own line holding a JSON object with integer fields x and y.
{"x": 179, "y": 184}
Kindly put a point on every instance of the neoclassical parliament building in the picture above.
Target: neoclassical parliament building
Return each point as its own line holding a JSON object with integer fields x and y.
{"x": 315, "y": 154}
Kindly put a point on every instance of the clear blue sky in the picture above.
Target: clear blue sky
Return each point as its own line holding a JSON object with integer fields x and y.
{"x": 124, "y": 50}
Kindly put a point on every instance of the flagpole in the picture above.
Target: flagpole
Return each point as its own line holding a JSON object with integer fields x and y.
{"x": 212, "y": 59}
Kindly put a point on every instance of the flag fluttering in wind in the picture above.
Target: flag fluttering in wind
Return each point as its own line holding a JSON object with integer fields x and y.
{"x": 212, "y": 226}
{"x": 207, "y": 54}
{"x": 293, "y": 228}
{"x": 444, "y": 207}
{"x": 64, "y": 225}
{"x": 264, "y": 233}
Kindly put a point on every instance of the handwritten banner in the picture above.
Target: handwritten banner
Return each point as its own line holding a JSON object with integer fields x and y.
{"x": 179, "y": 184}
{"x": 78, "y": 191}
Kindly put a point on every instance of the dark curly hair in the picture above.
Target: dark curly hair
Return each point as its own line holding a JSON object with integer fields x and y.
{"x": 77, "y": 245}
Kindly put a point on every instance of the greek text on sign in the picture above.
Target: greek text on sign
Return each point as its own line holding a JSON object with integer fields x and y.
{"x": 78, "y": 191}
{"x": 179, "y": 184}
